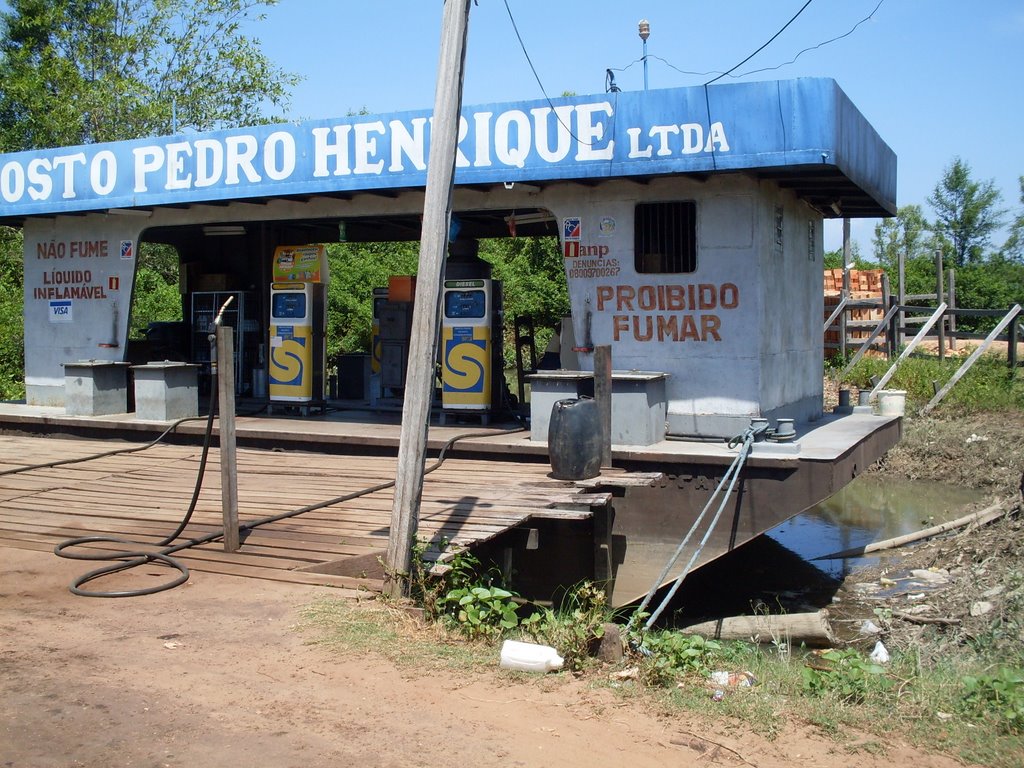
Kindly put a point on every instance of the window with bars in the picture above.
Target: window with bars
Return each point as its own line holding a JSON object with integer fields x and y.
{"x": 665, "y": 237}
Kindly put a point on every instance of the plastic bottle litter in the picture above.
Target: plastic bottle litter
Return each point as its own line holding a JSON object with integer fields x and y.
{"x": 529, "y": 657}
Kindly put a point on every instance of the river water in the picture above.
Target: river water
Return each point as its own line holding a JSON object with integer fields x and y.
{"x": 871, "y": 508}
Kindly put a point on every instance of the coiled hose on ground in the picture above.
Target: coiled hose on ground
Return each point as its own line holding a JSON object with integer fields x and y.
{"x": 128, "y": 559}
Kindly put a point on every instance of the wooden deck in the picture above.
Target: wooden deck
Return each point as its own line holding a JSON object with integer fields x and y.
{"x": 143, "y": 495}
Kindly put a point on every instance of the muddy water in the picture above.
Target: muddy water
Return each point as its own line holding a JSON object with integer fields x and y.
{"x": 869, "y": 509}
{"x": 778, "y": 569}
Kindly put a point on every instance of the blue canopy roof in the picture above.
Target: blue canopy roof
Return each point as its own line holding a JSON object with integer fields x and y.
{"x": 803, "y": 134}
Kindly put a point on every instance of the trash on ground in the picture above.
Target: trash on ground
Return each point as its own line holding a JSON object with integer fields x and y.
{"x": 880, "y": 655}
{"x": 529, "y": 657}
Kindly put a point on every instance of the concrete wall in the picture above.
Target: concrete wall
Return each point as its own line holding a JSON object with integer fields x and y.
{"x": 751, "y": 347}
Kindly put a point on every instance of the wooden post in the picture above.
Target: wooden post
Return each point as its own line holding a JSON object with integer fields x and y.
{"x": 226, "y": 429}
{"x": 939, "y": 299}
{"x": 603, "y": 396}
{"x": 886, "y": 303}
{"x": 901, "y": 317}
{"x": 1011, "y": 348}
{"x": 951, "y": 300}
{"x": 847, "y": 252}
{"x": 419, "y": 383}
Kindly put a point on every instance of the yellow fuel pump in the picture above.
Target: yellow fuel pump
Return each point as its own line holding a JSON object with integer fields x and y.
{"x": 298, "y": 324}
{"x": 466, "y": 371}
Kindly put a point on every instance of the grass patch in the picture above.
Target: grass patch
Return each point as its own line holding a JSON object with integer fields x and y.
{"x": 988, "y": 386}
{"x": 956, "y": 706}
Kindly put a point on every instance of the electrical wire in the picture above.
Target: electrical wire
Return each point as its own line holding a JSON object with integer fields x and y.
{"x": 769, "y": 42}
{"x": 522, "y": 45}
{"x": 816, "y": 47}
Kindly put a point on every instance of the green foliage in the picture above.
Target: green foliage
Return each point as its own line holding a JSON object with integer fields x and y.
{"x": 156, "y": 296}
{"x": 906, "y": 233}
{"x": 533, "y": 276}
{"x": 845, "y": 674}
{"x": 575, "y": 627}
{"x": 154, "y": 301}
{"x": 966, "y": 211}
{"x": 998, "y": 697}
{"x": 987, "y": 386}
{"x": 356, "y": 269}
{"x": 467, "y": 600}
{"x": 834, "y": 259}
{"x": 674, "y": 655}
{"x": 996, "y": 284}
{"x": 481, "y": 611}
{"x": 1013, "y": 248}
{"x": 12, "y": 341}
{"x": 83, "y": 71}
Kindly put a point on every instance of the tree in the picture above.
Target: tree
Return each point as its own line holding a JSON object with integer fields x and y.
{"x": 906, "y": 233}
{"x": 83, "y": 71}
{"x": 966, "y": 212}
{"x": 834, "y": 259}
{"x": 1013, "y": 249}
{"x": 12, "y": 347}
{"x": 356, "y": 269}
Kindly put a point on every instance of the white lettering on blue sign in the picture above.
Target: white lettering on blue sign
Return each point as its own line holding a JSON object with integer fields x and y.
{"x": 60, "y": 312}
{"x": 671, "y": 131}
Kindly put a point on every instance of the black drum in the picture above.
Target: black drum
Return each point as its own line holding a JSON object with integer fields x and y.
{"x": 574, "y": 439}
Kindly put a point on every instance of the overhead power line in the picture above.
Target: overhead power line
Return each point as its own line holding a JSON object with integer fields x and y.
{"x": 769, "y": 42}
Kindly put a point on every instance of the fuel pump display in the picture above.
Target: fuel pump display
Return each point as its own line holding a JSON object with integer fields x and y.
{"x": 298, "y": 324}
{"x": 466, "y": 372}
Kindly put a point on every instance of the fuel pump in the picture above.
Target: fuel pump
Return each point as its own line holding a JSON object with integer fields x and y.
{"x": 298, "y": 324}
{"x": 471, "y": 333}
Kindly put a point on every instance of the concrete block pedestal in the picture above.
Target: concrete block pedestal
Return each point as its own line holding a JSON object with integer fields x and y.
{"x": 638, "y": 403}
{"x": 166, "y": 391}
{"x": 95, "y": 387}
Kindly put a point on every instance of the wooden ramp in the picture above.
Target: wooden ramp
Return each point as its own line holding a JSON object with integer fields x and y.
{"x": 142, "y": 496}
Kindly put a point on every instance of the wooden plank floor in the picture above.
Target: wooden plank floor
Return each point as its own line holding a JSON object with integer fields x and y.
{"x": 143, "y": 495}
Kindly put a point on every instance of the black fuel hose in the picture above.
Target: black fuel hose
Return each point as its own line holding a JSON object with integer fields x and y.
{"x": 132, "y": 559}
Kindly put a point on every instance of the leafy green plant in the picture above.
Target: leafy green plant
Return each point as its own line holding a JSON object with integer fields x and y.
{"x": 576, "y": 627}
{"x": 480, "y": 612}
{"x": 674, "y": 655}
{"x": 845, "y": 674}
{"x": 465, "y": 597}
{"x": 998, "y": 696}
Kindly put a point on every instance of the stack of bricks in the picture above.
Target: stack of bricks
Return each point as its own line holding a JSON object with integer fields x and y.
{"x": 864, "y": 284}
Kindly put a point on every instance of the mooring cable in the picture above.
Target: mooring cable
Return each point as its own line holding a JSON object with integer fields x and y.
{"x": 730, "y": 476}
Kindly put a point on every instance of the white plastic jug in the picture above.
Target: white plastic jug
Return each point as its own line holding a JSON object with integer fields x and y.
{"x": 529, "y": 657}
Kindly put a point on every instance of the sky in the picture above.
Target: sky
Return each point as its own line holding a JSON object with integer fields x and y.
{"x": 938, "y": 79}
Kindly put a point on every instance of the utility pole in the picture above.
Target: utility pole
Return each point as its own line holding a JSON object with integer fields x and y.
{"x": 419, "y": 383}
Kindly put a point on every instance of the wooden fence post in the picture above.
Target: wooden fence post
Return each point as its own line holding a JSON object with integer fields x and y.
{"x": 603, "y": 396}
{"x": 951, "y": 300}
{"x": 847, "y": 251}
{"x": 901, "y": 315}
{"x": 939, "y": 299}
{"x": 226, "y": 433}
{"x": 886, "y": 301}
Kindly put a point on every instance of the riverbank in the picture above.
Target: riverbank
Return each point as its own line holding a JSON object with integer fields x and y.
{"x": 975, "y": 605}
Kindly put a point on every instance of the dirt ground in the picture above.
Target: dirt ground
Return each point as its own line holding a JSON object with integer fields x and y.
{"x": 215, "y": 673}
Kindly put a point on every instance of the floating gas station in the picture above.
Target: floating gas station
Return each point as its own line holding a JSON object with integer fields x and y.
{"x": 690, "y": 222}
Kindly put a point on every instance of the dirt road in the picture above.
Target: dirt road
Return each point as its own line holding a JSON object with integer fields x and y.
{"x": 214, "y": 673}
